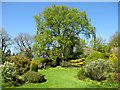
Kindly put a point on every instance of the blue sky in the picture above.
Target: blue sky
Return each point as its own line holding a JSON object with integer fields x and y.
{"x": 17, "y": 17}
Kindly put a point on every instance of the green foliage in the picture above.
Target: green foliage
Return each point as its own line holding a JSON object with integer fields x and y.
{"x": 83, "y": 55}
{"x": 5, "y": 58}
{"x": 58, "y": 29}
{"x": 33, "y": 77}
{"x": 114, "y": 60}
{"x": 80, "y": 72}
{"x": 38, "y": 60}
{"x": 80, "y": 44}
{"x": 106, "y": 55}
{"x": 9, "y": 76}
{"x": 65, "y": 64}
{"x": 34, "y": 67}
{"x": 99, "y": 45}
{"x": 94, "y": 56}
{"x": 76, "y": 54}
{"x": 97, "y": 69}
{"x": 22, "y": 63}
{"x": 114, "y": 40}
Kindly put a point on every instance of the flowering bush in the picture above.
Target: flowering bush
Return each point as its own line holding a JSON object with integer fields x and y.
{"x": 22, "y": 63}
{"x": 97, "y": 69}
{"x": 114, "y": 60}
{"x": 113, "y": 77}
{"x": 77, "y": 62}
{"x": 9, "y": 76}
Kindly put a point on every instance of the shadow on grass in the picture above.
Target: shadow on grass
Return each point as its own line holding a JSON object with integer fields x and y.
{"x": 44, "y": 80}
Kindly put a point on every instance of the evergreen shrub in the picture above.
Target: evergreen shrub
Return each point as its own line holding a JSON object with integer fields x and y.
{"x": 94, "y": 56}
{"x": 33, "y": 77}
{"x": 97, "y": 69}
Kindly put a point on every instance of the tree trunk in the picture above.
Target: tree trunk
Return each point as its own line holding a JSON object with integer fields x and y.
{"x": 62, "y": 59}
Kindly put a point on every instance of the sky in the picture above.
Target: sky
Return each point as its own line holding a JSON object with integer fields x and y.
{"x": 17, "y": 17}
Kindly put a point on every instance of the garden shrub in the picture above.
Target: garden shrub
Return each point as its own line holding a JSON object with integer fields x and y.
{"x": 97, "y": 69}
{"x": 22, "y": 63}
{"x": 114, "y": 60}
{"x": 5, "y": 58}
{"x": 9, "y": 76}
{"x": 34, "y": 67}
{"x": 94, "y": 56}
{"x": 33, "y": 77}
{"x": 80, "y": 74}
{"x": 65, "y": 64}
{"x": 106, "y": 55}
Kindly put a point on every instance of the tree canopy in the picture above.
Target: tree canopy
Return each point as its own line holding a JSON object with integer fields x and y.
{"x": 58, "y": 30}
{"x": 114, "y": 40}
{"x": 100, "y": 45}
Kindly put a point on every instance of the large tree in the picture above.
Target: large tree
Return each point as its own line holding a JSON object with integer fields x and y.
{"x": 58, "y": 30}
{"x": 24, "y": 43}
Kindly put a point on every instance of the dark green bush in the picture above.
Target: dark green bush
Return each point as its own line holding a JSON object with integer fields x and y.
{"x": 97, "y": 69}
{"x": 94, "y": 56}
{"x": 33, "y": 77}
{"x": 34, "y": 67}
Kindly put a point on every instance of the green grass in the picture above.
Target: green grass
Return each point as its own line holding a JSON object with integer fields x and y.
{"x": 60, "y": 78}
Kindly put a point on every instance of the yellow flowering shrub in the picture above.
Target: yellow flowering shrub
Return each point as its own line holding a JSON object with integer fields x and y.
{"x": 113, "y": 59}
{"x": 78, "y": 62}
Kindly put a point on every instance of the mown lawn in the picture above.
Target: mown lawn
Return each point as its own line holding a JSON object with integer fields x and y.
{"x": 60, "y": 78}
